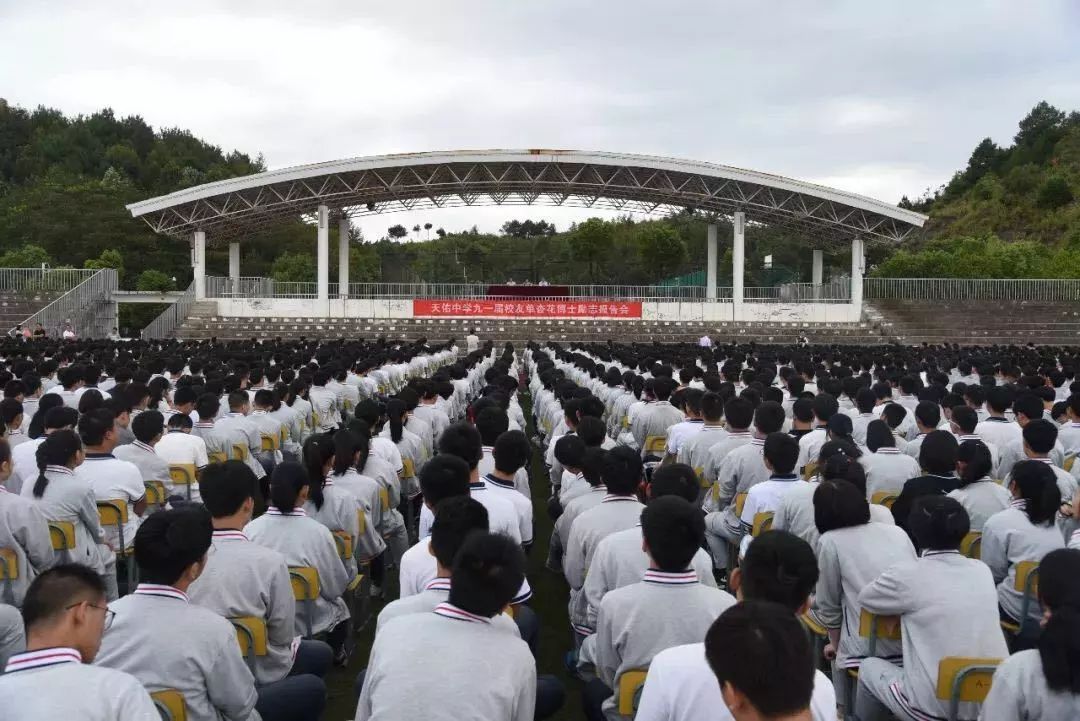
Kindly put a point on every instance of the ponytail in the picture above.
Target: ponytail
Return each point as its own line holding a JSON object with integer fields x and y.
{"x": 1059, "y": 642}
{"x": 345, "y": 447}
{"x": 395, "y": 410}
{"x": 318, "y": 450}
{"x": 57, "y": 449}
{"x": 1037, "y": 486}
{"x": 286, "y": 482}
{"x": 978, "y": 463}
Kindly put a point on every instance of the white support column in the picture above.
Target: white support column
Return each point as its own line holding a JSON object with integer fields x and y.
{"x": 234, "y": 267}
{"x": 738, "y": 261}
{"x": 323, "y": 255}
{"x": 858, "y": 263}
{"x": 343, "y": 256}
{"x": 817, "y": 271}
{"x": 198, "y": 263}
{"x": 710, "y": 265}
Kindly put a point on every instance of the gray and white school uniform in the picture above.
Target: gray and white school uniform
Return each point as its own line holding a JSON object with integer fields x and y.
{"x": 408, "y": 448}
{"x": 982, "y": 499}
{"x": 366, "y": 492}
{"x": 1068, "y": 436}
{"x": 742, "y": 468}
{"x": 165, "y": 641}
{"x": 113, "y": 479}
{"x": 306, "y": 542}
{"x": 24, "y": 465}
{"x": 1019, "y": 691}
{"x": 240, "y": 429}
{"x": 1002, "y": 432}
{"x": 12, "y": 635}
{"x": 472, "y": 670}
{"x": 995, "y": 451}
{"x": 152, "y": 467}
{"x": 848, "y": 560}
{"x": 16, "y": 437}
{"x": 266, "y": 425}
{"x": 681, "y": 432}
{"x": 53, "y": 683}
{"x": 435, "y": 416}
{"x": 635, "y": 622}
{"x": 419, "y": 568}
{"x": 1014, "y": 453}
{"x": 1008, "y": 538}
{"x": 242, "y": 578}
{"x": 654, "y": 420}
{"x": 502, "y": 514}
{"x": 888, "y": 469}
{"x": 434, "y": 594}
{"x": 423, "y": 430}
{"x": 620, "y": 561}
{"x": 67, "y": 498}
{"x": 859, "y": 424}
{"x": 505, "y": 489}
{"x": 948, "y": 607}
{"x": 392, "y": 523}
{"x": 290, "y": 420}
{"x": 339, "y": 513}
{"x": 24, "y": 530}
{"x": 720, "y": 451}
{"x": 573, "y": 509}
{"x": 694, "y": 451}
{"x": 810, "y": 448}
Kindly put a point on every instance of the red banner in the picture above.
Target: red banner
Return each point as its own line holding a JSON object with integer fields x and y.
{"x": 568, "y": 308}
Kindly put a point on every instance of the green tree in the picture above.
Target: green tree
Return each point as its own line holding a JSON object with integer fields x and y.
{"x": 1054, "y": 193}
{"x": 28, "y": 256}
{"x": 662, "y": 250}
{"x": 294, "y": 268}
{"x": 109, "y": 258}
{"x": 590, "y": 242}
{"x": 154, "y": 280}
{"x": 397, "y": 231}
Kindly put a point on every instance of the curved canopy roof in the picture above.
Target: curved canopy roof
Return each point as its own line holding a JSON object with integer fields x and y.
{"x": 232, "y": 208}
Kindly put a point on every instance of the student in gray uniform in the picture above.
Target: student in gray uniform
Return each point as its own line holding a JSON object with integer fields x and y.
{"x": 592, "y": 461}
{"x": 65, "y": 616}
{"x": 947, "y": 606}
{"x": 1043, "y": 684}
{"x": 979, "y": 494}
{"x": 656, "y": 418}
{"x": 1023, "y": 532}
{"x": 148, "y": 427}
{"x": 23, "y": 530}
{"x": 636, "y": 622}
{"x": 306, "y": 543}
{"x": 245, "y": 579}
{"x": 454, "y": 643}
{"x": 887, "y": 468}
{"x": 165, "y": 641}
{"x": 349, "y": 451}
{"x": 12, "y": 637}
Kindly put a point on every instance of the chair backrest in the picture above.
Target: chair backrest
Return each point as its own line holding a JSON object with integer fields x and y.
{"x": 361, "y": 521}
{"x": 113, "y": 512}
{"x": 809, "y": 470}
{"x": 702, "y": 481}
{"x": 250, "y": 634}
{"x": 740, "y": 501}
{"x": 971, "y": 546}
{"x": 344, "y": 543}
{"x": 962, "y": 678}
{"x": 9, "y": 564}
{"x": 170, "y": 704}
{"x": 155, "y": 492}
{"x": 884, "y": 498}
{"x": 762, "y": 523}
{"x": 630, "y": 684}
{"x": 270, "y": 442}
{"x": 656, "y": 445}
{"x": 1070, "y": 460}
{"x": 182, "y": 474}
{"x": 1027, "y": 578}
{"x": 305, "y": 582}
{"x": 284, "y": 435}
{"x": 813, "y": 625}
{"x": 876, "y": 627}
{"x": 62, "y": 534}
{"x": 239, "y": 451}
{"x": 384, "y": 499}
{"x": 217, "y": 456}
{"x": 408, "y": 469}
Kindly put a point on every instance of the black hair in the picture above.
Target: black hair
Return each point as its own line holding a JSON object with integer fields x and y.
{"x": 1040, "y": 435}
{"x": 591, "y": 431}
{"x": 54, "y": 591}
{"x": 839, "y": 504}
{"x": 769, "y": 417}
{"x": 317, "y": 451}
{"x": 346, "y": 446}
{"x": 761, "y": 649}
{"x": 842, "y": 467}
{"x": 938, "y": 523}
{"x": 93, "y": 426}
{"x": 712, "y": 407}
{"x": 782, "y": 452}
{"x": 674, "y": 479}
{"x": 977, "y": 459}
{"x": 779, "y": 567}
{"x": 621, "y": 470}
{"x": 225, "y": 486}
{"x": 47, "y": 402}
{"x": 169, "y": 541}
{"x": 147, "y": 426}
{"x": 965, "y": 418}
{"x": 878, "y": 435}
{"x": 894, "y": 414}
{"x": 1028, "y": 405}
{"x": 395, "y": 414}
{"x": 1036, "y": 484}
{"x": 487, "y": 574}
{"x": 937, "y": 453}
{"x": 673, "y": 530}
{"x": 10, "y": 410}
{"x": 456, "y": 518}
{"x": 865, "y": 400}
{"x": 825, "y": 407}
{"x": 592, "y": 466}
{"x": 739, "y": 413}
{"x": 491, "y": 423}
{"x": 1059, "y": 642}
{"x": 803, "y": 410}
{"x": 57, "y": 449}
{"x": 570, "y": 451}
{"x": 928, "y": 413}
{"x": 512, "y": 451}
{"x": 286, "y": 482}
{"x": 444, "y": 476}
{"x": 207, "y": 406}
{"x": 180, "y": 421}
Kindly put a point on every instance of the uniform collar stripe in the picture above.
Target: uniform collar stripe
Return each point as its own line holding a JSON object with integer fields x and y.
{"x": 927, "y": 554}
{"x": 153, "y": 589}
{"x": 231, "y": 535}
{"x": 274, "y": 511}
{"x": 889, "y": 450}
{"x": 41, "y": 658}
{"x": 144, "y": 446}
{"x": 784, "y": 477}
{"x": 60, "y": 469}
{"x": 490, "y": 478}
{"x": 477, "y": 486}
{"x": 678, "y": 578}
{"x": 448, "y": 610}
{"x": 438, "y": 584}
{"x": 611, "y": 499}
{"x": 1018, "y": 503}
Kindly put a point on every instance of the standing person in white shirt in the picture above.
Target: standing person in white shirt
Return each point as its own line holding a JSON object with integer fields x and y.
{"x": 65, "y": 616}
{"x": 472, "y": 341}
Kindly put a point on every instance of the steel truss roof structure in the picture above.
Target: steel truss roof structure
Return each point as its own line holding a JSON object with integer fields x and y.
{"x": 231, "y": 209}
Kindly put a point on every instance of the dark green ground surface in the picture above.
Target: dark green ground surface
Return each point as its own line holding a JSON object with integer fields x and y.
{"x": 549, "y": 601}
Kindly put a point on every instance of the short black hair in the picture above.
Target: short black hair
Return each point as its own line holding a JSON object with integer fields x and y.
{"x": 938, "y": 523}
{"x": 487, "y": 573}
{"x": 592, "y": 465}
{"x": 761, "y": 649}
{"x": 225, "y": 486}
{"x": 181, "y": 421}
{"x": 491, "y": 423}
{"x": 1040, "y": 435}
{"x": 803, "y": 410}
{"x": 879, "y": 435}
{"x": 966, "y": 418}
{"x": 1029, "y": 405}
{"x": 148, "y": 425}
{"x": 674, "y": 530}
{"x": 769, "y": 417}
{"x": 779, "y": 567}
{"x": 621, "y": 471}
{"x": 782, "y": 452}
{"x": 675, "y": 479}
{"x": 591, "y": 431}
{"x": 712, "y": 406}
{"x": 94, "y": 425}
{"x": 456, "y": 518}
{"x": 462, "y": 440}
{"x": 54, "y": 590}
{"x": 169, "y": 541}
{"x": 444, "y": 476}
{"x": 10, "y": 410}
{"x": 825, "y": 407}
{"x": 570, "y": 451}
{"x": 739, "y": 413}
{"x": 928, "y": 413}
{"x": 839, "y": 504}
{"x": 207, "y": 406}
{"x": 512, "y": 451}
{"x": 937, "y": 453}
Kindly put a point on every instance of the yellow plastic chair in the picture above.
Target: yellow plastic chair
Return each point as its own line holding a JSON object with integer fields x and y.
{"x": 62, "y": 534}
{"x": 762, "y": 522}
{"x": 873, "y": 627}
{"x": 740, "y": 501}
{"x": 9, "y": 572}
{"x": 344, "y": 544}
{"x": 155, "y": 494}
{"x": 1070, "y": 460}
{"x": 1027, "y": 583}
{"x": 239, "y": 452}
{"x": 971, "y": 546}
{"x": 819, "y": 635}
{"x": 114, "y": 512}
{"x": 964, "y": 679}
{"x": 384, "y": 499}
{"x": 656, "y": 445}
{"x": 361, "y": 521}
{"x": 284, "y": 435}
{"x": 170, "y": 704}
{"x": 884, "y": 498}
{"x": 408, "y": 468}
{"x": 630, "y": 684}
{"x": 183, "y": 474}
{"x": 251, "y": 636}
{"x": 702, "y": 481}
{"x": 809, "y": 470}
{"x": 217, "y": 456}
{"x": 270, "y": 443}
{"x": 305, "y": 587}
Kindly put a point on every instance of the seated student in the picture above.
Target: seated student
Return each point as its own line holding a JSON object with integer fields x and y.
{"x": 1029, "y": 409}
{"x": 108, "y": 476}
{"x": 149, "y": 428}
{"x": 887, "y": 468}
{"x": 408, "y": 446}
{"x": 778, "y": 568}
{"x": 1024, "y": 532}
{"x": 512, "y": 452}
{"x": 591, "y": 432}
{"x": 65, "y": 616}
{"x": 1043, "y": 684}
{"x": 739, "y": 414}
{"x": 569, "y": 452}
{"x": 304, "y": 541}
{"x": 241, "y": 430}
{"x": 781, "y": 453}
{"x": 927, "y": 419}
{"x": 23, "y": 530}
{"x": 864, "y": 415}
{"x": 267, "y": 426}
{"x": 60, "y": 496}
{"x": 618, "y": 510}
{"x": 852, "y": 552}
{"x": 457, "y": 638}
{"x": 350, "y": 451}
{"x": 980, "y": 495}
{"x": 635, "y": 622}
{"x": 242, "y": 578}
{"x": 947, "y": 606}
{"x": 182, "y": 445}
{"x": 694, "y": 450}
{"x": 166, "y": 642}
{"x": 963, "y": 422}
{"x": 937, "y": 458}
{"x": 1039, "y": 438}
{"x": 683, "y": 431}
{"x": 657, "y": 417}
{"x": 12, "y": 636}
{"x": 11, "y": 414}
{"x": 825, "y": 407}
{"x": 592, "y": 462}
{"x": 897, "y": 417}
{"x": 24, "y": 456}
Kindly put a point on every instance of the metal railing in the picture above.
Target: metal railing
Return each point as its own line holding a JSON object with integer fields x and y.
{"x": 936, "y": 289}
{"x": 163, "y": 326}
{"x": 835, "y": 291}
{"x": 34, "y": 279}
{"x": 88, "y": 308}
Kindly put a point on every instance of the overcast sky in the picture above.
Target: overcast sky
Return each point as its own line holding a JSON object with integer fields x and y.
{"x": 883, "y": 101}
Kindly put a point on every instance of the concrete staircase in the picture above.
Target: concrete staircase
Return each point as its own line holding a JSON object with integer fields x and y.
{"x": 983, "y": 322}
{"x": 18, "y": 305}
